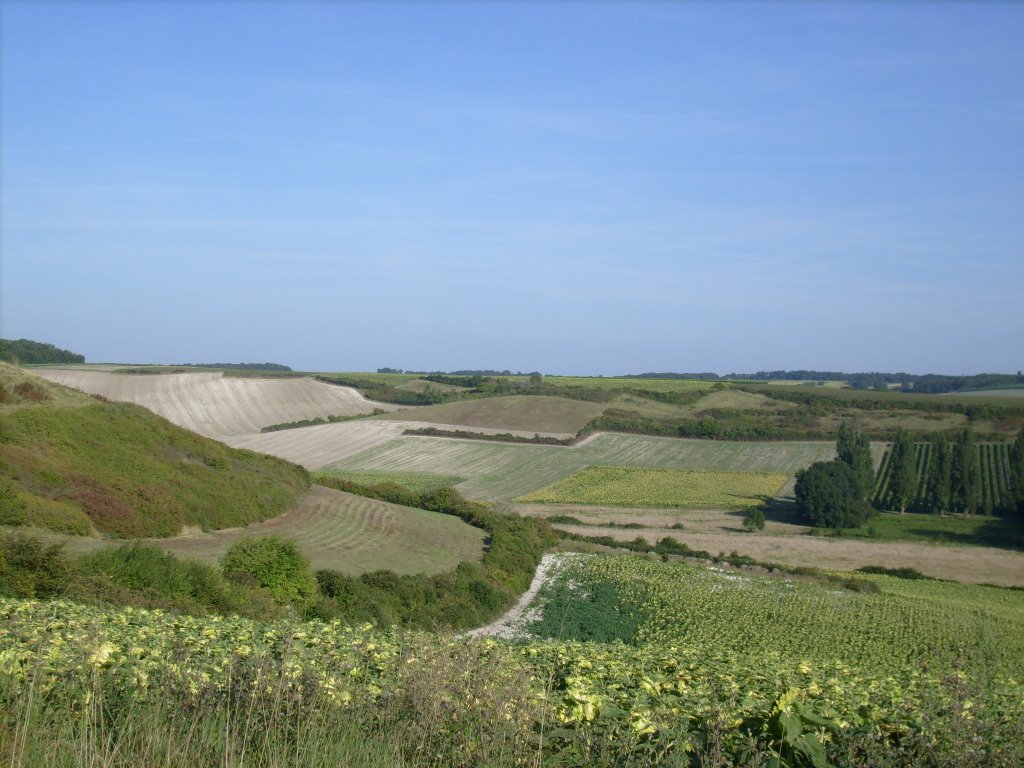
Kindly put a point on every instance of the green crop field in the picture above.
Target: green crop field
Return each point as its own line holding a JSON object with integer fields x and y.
{"x": 877, "y": 658}
{"x": 874, "y": 651}
{"x": 636, "y": 487}
{"x": 502, "y": 472}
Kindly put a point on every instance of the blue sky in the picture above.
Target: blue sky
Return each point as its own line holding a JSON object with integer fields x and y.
{"x": 566, "y": 187}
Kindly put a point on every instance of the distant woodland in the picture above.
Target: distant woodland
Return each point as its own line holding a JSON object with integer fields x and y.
{"x": 26, "y": 352}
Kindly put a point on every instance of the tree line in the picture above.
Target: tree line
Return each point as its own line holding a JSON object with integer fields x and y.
{"x": 837, "y": 494}
{"x": 28, "y": 352}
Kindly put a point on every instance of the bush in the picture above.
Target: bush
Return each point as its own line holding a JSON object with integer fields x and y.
{"x": 30, "y": 568}
{"x": 754, "y": 520}
{"x": 275, "y": 564}
{"x": 12, "y": 506}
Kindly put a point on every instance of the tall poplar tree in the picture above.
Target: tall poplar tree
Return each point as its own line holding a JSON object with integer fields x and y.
{"x": 1017, "y": 471}
{"x": 903, "y": 475}
{"x": 940, "y": 477}
{"x": 855, "y": 449}
{"x": 966, "y": 474}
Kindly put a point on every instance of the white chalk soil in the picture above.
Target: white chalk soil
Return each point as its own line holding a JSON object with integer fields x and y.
{"x": 514, "y": 624}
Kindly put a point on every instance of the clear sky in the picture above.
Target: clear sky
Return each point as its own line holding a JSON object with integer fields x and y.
{"x": 566, "y": 187}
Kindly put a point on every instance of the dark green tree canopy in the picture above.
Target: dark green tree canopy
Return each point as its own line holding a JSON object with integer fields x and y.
{"x": 903, "y": 471}
{"x": 854, "y": 449}
{"x": 28, "y": 352}
{"x": 828, "y": 496}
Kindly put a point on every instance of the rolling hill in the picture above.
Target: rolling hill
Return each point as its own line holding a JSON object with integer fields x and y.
{"x": 75, "y": 464}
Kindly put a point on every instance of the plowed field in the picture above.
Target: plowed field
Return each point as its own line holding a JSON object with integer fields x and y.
{"x": 217, "y": 406}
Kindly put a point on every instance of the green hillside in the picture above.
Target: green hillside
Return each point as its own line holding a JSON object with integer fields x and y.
{"x": 74, "y": 464}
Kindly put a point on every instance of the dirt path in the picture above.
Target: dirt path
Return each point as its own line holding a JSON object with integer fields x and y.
{"x": 507, "y": 626}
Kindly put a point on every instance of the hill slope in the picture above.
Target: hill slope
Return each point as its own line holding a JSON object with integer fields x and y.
{"x": 73, "y": 464}
{"x": 217, "y": 406}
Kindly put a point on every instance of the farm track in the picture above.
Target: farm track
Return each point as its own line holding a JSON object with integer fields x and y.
{"x": 507, "y": 626}
{"x": 217, "y": 406}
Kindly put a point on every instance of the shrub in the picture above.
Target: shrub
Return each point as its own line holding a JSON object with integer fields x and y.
{"x": 754, "y": 520}
{"x": 30, "y": 568}
{"x": 275, "y": 564}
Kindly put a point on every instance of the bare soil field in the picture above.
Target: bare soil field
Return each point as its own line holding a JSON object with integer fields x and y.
{"x": 351, "y": 534}
{"x": 664, "y": 518}
{"x": 523, "y": 413}
{"x": 217, "y": 406}
{"x": 973, "y": 565}
{"x": 329, "y": 444}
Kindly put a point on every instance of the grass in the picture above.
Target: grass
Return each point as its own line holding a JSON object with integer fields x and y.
{"x": 971, "y": 565}
{"x": 19, "y": 390}
{"x": 633, "y": 487}
{"x": 346, "y": 533}
{"x": 518, "y": 412}
{"x": 502, "y": 472}
{"x": 648, "y": 385}
{"x": 422, "y": 385}
{"x": 130, "y": 474}
{"x": 943, "y": 529}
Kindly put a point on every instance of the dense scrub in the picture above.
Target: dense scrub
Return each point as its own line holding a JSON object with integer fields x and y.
{"x": 133, "y": 574}
{"x": 129, "y": 473}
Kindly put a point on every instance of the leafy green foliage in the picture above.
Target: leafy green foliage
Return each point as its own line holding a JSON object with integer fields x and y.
{"x": 966, "y": 480}
{"x": 276, "y": 565}
{"x": 590, "y": 613}
{"x": 30, "y": 568}
{"x": 753, "y": 520}
{"x": 855, "y": 449}
{"x": 1017, "y": 471}
{"x": 793, "y": 729}
{"x": 828, "y": 496}
{"x": 903, "y": 470}
{"x": 133, "y": 474}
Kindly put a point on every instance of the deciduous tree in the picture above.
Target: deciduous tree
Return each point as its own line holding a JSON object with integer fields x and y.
{"x": 828, "y": 496}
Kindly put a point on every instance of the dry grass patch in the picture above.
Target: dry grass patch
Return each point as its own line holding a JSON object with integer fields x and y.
{"x": 972, "y": 565}
{"x": 21, "y": 389}
{"x": 348, "y": 533}
{"x": 665, "y": 519}
{"x": 633, "y": 487}
{"x": 423, "y": 385}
